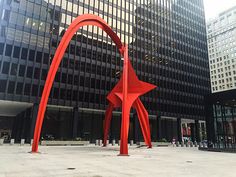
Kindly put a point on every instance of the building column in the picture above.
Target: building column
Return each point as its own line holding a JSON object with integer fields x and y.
{"x": 210, "y": 123}
{"x": 159, "y": 134}
{"x": 34, "y": 113}
{"x": 80, "y": 124}
{"x": 111, "y": 129}
{"x": 134, "y": 127}
{"x": 193, "y": 134}
{"x": 75, "y": 122}
{"x": 26, "y": 124}
{"x": 179, "y": 129}
{"x": 17, "y": 127}
{"x": 197, "y": 131}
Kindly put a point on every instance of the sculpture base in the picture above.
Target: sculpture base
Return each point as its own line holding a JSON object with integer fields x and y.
{"x": 31, "y": 152}
{"x": 123, "y": 155}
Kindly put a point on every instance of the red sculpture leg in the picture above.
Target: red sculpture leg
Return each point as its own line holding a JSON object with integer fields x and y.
{"x": 124, "y": 130}
{"x": 107, "y": 122}
{"x": 144, "y": 121}
{"x": 125, "y": 107}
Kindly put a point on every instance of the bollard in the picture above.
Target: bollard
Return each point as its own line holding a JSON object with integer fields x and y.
{"x": 177, "y": 144}
{"x": 191, "y": 144}
{"x": 113, "y": 142}
{"x": 22, "y": 142}
{"x": 1, "y": 141}
{"x": 96, "y": 142}
{"x": 31, "y": 142}
{"x": 99, "y": 142}
{"x": 195, "y": 143}
{"x": 131, "y": 142}
{"x": 200, "y": 145}
{"x": 12, "y": 141}
{"x": 182, "y": 144}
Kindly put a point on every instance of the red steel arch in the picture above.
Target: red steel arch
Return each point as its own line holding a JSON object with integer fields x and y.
{"x": 82, "y": 20}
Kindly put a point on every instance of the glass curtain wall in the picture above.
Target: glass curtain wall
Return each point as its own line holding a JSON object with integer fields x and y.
{"x": 225, "y": 126}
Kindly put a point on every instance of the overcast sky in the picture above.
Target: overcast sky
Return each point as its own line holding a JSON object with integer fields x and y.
{"x": 214, "y": 7}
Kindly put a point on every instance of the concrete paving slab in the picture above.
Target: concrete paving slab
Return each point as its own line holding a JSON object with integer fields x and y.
{"x": 95, "y": 161}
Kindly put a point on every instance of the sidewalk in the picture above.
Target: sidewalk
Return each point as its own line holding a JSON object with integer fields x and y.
{"x": 93, "y": 161}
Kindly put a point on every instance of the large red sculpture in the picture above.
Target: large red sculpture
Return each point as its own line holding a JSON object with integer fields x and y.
{"x": 124, "y": 93}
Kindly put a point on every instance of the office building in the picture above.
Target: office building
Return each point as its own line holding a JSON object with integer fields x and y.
{"x": 167, "y": 46}
{"x": 221, "y": 33}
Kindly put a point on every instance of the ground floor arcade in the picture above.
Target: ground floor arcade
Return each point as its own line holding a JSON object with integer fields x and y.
{"x": 73, "y": 123}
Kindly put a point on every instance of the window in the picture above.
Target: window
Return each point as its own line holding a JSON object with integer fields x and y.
{"x": 16, "y": 52}
{"x": 36, "y": 73}
{"x": 11, "y": 87}
{"x": 29, "y": 72}
{"x": 62, "y": 94}
{"x": 1, "y": 48}
{"x": 21, "y": 71}
{"x": 6, "y": 14}
{"x": 2, "y": 31}
{"x": 39, "y": 57}
{"x": 56, "y": 93}
{"x": 13, "y": 69}
{"x": 44, "y": 74}
{"x": 31, "y": 55}
{"x": 64, "y": 78}
{"x": 45, "y": 58}
{"x": 24, "y": 53}
{"x": 5, "y": 68}
{"x": 56, "y": 15}
{"x": 3, "y": 84}
{"x": 35, "y": 90}
{"x": 19, "y": 88}
{"x": 27, "y": 89}
{"x": 8, "y": 50}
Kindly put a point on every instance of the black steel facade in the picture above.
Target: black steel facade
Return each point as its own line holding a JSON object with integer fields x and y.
{"x": 167, "y": 46}
{"x": 221, "y": 121}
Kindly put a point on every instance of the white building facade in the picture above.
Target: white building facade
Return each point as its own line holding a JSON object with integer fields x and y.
{"x": 221, "y": 34}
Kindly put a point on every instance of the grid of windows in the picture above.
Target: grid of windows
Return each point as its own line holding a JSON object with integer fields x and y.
{"x": 167, "y": 46}
{"x": 222, "y": 51}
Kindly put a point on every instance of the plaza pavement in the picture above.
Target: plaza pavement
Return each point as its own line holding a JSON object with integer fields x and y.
{"x": 94, "y": 161}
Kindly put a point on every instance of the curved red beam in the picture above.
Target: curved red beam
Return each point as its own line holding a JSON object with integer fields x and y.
{"x": 83, "y": 20}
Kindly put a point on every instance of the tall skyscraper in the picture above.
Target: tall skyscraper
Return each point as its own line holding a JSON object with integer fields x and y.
{"x": 167, "y": 46}
{"x": 221, "y": 33}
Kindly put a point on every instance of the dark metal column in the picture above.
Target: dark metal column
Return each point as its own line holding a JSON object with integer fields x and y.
{"x": 179, "y": 129}
{"x": 134, "y": 127}
{"x": 197, "y": 131}
{"x": 209, "y": 121}
{"x": 193, "y": 132}
{"x": 159, "y": 134}
{"x": 75, "y": 122}
{"x": 34, "y": 114}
